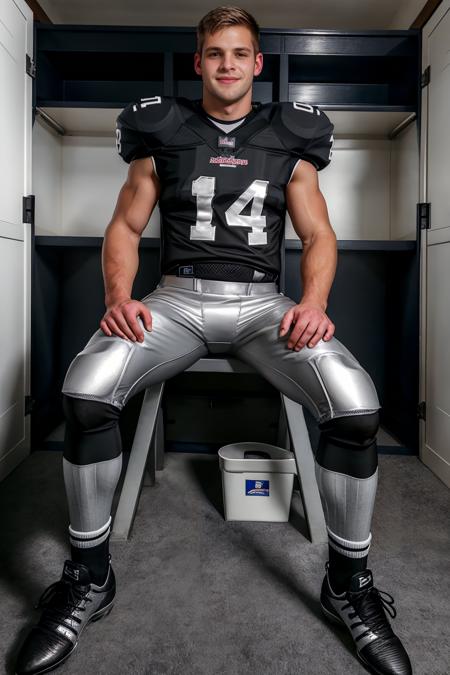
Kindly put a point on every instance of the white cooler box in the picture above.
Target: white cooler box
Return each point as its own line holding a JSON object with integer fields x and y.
{"x": 257, "y": 481}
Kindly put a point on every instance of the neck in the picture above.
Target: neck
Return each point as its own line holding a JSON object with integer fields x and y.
{"x": 221, "y": 111}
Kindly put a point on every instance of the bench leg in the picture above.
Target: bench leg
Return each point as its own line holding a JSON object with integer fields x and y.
{"x": 155, "y": 460}
{"x": 306, "y": 475}
{"x": 159, "y": 441}
{"x": 141, "y": 455}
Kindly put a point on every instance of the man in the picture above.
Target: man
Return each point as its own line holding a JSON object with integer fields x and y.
{"x": 224, "y": 172}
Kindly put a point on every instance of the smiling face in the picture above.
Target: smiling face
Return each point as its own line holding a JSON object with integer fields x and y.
{"x": 228, "y": 64}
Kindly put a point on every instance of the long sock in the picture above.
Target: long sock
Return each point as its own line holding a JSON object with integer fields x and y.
{"x": 92, "y": 549}
{"x": 341, "y": 569}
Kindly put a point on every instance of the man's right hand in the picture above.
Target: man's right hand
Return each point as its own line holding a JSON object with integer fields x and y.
{"x": 121, "y": 319}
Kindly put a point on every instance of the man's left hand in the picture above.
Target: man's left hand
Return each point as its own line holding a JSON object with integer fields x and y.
{"x": 309, "y": 325}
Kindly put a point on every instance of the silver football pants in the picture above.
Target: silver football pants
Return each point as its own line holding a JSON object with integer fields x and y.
{"x": 194, "y": 317}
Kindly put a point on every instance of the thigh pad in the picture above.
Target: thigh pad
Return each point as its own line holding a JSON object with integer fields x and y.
{"x": 348, "y": 387}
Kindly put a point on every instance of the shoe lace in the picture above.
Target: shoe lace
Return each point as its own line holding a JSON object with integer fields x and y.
{"x": 63, "y": 598}
{"x": 371, "y": 605}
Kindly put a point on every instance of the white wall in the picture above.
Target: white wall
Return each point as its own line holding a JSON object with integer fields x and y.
{"x": 405, "y": 183}
{"x": 356, "y": 188}
{"x": 93, "y": 175}
{"x": 47, "y": 179}
{"x": 76, "y": 180}
{"x": 371, "y": 186}
{"x": 406, "y": 14}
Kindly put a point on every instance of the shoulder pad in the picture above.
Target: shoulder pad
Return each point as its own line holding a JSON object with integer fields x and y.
{"x": 146, "y": 125}
{"x": 306, "y": 131}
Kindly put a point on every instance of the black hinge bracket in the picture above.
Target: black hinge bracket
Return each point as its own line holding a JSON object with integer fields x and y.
{"x": 29, "y": 405}
{"x": 30, "y": 67}
{"x": 28, "y": 203}
{"x": 423, "y": 215}
{"x": 425, "y": 79}
{"x": 422, "y": 410}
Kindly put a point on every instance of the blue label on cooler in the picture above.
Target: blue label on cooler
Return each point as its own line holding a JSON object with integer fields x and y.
{"x": 257, "y": 488}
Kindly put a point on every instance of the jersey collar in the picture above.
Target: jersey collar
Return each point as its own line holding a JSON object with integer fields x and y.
{"x": 209, "y": 133}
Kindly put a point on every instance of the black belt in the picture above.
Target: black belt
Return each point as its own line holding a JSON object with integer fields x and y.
{"x": 222, "y": 272}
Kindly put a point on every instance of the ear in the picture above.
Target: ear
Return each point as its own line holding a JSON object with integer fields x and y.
{"x": 198, "y": 63}
{"x": 258, "y": 64}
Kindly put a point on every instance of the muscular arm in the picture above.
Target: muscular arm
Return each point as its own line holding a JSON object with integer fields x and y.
{"x": 309, "y": 215}
{"x": 308, "y": 211}
{"x": 135, "y": 204}
{"x": 120, "y": 258}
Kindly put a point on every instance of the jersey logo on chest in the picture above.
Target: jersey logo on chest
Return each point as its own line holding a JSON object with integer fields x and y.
{"x": 229, "y": 160}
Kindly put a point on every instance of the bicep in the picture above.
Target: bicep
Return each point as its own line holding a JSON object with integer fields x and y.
{"x": 138, "y": 195}
{"x": 306, "y": 203}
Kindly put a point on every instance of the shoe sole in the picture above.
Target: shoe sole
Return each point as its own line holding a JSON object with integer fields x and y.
{"x": 95, "y": 617}
{"x": 337, "y": 620}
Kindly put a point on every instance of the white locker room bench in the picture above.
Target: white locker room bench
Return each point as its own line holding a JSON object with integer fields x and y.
{"x": 147, "y": 452}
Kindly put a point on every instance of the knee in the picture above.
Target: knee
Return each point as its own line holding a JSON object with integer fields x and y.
{"x": 348, "y": 445}
{"x": 360, "y": 430}
{"x": 86, "y": 415}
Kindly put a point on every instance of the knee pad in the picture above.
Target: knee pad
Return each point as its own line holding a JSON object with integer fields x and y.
{"x": 348, "y": 445}
{"x": 92, "y": 431}
{"x": 353, "y": 429}
{"x": 87, "y": 415}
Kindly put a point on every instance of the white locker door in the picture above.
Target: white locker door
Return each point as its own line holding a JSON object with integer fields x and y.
{"x": 16, "y": 40}
{"x": 435, "y": 450}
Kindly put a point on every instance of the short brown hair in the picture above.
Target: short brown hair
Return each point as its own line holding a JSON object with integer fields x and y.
{"x": 222, "y": 17}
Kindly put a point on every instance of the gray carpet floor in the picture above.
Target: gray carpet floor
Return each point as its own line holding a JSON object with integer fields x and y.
{"x": 198, "y": 595}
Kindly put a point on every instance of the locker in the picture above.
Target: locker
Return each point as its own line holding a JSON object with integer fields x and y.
{"x": 16, "y": 41}
{"x": 369, "y": 85}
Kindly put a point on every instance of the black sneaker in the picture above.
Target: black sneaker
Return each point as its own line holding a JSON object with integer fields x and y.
{"x": 362, "y": 610}
{"x": 69, "y": 605}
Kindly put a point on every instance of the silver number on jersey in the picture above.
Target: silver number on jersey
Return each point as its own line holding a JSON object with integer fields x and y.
{"x": 331, "y": 147}
{"x": 256, "y": 191}
{"x": 147, "y": 101}
{"x": 118, "y": 139}
{"x": 203, "y": 188}
{"x": 306, "y": 107}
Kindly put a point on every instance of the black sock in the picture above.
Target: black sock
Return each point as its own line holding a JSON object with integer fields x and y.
{"x": 341, "y": 569}
{"x": 95, "y": 558}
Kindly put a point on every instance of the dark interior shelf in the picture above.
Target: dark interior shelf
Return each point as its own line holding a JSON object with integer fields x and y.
{"x": 105, "y": 66}
{"x": 290, "y": 244}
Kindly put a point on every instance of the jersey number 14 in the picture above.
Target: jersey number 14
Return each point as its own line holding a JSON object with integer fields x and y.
{"x": 203, "y": 188}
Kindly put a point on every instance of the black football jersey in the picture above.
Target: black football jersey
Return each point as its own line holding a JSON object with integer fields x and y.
{"x": 222, "y": 196}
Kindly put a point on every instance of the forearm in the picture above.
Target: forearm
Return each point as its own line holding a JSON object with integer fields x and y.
{"x": 120, "y": 261}
{"x": 318, "y": 268}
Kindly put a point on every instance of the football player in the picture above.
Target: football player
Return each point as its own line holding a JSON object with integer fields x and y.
{"x": 224, "y": 171}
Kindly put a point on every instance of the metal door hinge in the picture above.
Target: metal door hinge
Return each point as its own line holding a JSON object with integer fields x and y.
{"x": 29, "y": 405}
{"x": 425, "y": 79}
{"x": 30, "y": 67}
{"x": 28, "y": 203}
{"x": 423, "y": 215}
{"x": 422, "y": 410}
